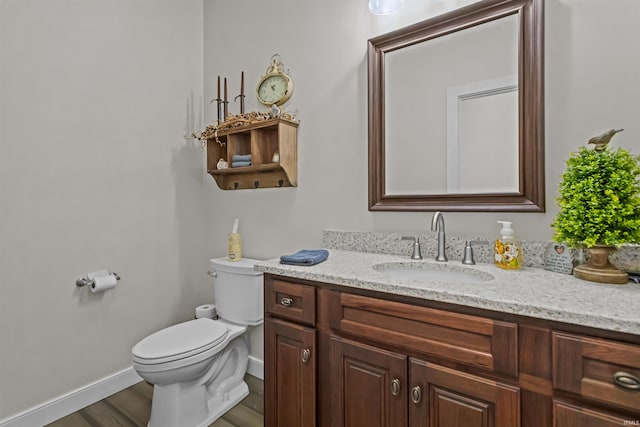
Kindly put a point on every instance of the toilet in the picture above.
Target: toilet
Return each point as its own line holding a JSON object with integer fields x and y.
{"x": 197, "y": 367}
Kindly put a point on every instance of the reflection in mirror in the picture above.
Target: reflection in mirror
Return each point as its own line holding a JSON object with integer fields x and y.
{"x": 455, "y": 111}
{"x": 427, "y": 158}
{"x": 482, "y": 136}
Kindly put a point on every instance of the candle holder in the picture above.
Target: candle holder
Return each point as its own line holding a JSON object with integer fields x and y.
{"x": 241, "y": 96}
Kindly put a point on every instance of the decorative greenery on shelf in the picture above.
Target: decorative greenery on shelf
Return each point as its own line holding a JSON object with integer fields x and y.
{"x": 599, "y": 197}
{"x": 237, "y": 120}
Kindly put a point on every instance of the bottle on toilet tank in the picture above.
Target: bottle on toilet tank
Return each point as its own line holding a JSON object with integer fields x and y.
{"x": 507, "y": 248}
{"x": 234, "y": 243}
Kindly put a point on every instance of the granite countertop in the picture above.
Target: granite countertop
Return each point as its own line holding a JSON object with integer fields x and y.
{"x": 532, "y": 292}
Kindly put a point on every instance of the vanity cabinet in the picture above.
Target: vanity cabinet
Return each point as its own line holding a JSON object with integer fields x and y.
{"x": 390, "y": 360}
{"x": 599, "y": 370}
{"x": 411, "y": 390}
{"x": 290, "y": 355}
{"x": 389, "y": 389}
{"x": 262, "y": 140}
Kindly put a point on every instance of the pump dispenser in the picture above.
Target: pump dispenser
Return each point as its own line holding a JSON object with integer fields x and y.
{"x": 508, "y": 252}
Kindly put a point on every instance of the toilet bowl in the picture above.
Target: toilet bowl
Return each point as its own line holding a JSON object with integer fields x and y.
{"x": 197, "y": 367}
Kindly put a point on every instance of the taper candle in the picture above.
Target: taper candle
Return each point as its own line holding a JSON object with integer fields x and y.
{"x": 218, "y": 101}
{"x": 226, "y": 102}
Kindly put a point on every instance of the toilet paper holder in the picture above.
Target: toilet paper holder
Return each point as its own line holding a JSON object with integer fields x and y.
{"x": 86, "y": 281}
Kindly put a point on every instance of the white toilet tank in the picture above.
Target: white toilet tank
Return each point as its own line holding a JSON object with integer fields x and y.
{"x": 238, "y": 291}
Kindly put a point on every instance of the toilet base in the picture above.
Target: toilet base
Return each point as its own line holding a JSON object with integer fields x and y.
{"x": 213, "y": 391}
{"x": 222, "y": 405}
{"x": 217, "y": 406}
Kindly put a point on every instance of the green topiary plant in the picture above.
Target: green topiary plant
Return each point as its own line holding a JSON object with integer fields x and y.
{"x": 599, "y": 197}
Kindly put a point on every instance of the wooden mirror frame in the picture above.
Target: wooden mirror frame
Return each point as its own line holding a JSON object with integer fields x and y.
{"x": 531, "y": 194}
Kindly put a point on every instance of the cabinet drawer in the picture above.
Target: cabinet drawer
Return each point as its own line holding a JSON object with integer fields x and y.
{"x": 569, "y": 415}
{"x": 603, "y": 370}
{"x": 472, "y": 340}
{"x": 290, "y": 301}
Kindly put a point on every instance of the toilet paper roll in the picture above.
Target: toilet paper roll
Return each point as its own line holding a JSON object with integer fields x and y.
{"x": 99, "y": 273}
{"x": 207, "y": 311}
{"x": 102, "y": 283}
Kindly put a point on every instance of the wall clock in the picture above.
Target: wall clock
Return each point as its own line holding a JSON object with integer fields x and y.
{"x": 276, "y": 86}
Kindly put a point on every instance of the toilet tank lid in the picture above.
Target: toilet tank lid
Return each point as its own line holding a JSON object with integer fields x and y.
{"x": 244, "y": 266}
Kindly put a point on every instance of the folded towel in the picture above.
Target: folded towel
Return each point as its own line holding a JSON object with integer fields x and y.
{"x": 240, "y": 164}
{"x": 305, "y": 257}
{"x": 241, "y": 158}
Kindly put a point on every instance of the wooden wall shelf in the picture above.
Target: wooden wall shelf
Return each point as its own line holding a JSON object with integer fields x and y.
{"x": 261, "y": 140}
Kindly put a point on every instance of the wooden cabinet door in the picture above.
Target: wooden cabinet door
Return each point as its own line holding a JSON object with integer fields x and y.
{"x": 570, "y": 415}
{"x": 290, "y": 374}
{"x": 443, "y": 397}
{"x": 368, "y": 385}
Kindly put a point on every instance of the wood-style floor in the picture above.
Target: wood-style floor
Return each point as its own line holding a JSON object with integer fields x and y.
{"x": 131, "y": 408}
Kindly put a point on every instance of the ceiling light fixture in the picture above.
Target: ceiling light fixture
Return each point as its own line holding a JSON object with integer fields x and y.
{"x": 384, "y": 7}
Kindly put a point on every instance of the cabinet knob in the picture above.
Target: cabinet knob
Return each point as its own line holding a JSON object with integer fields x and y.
{"x": 416, "y": 394}
{"x": 395, "y": 387}
{"x": 306, "y": 355}
{"x": 626, "y": 381}
{"x": 286, "y": 301}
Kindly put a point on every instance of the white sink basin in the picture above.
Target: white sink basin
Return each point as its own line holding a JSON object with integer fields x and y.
{"x": 423, "y": 272}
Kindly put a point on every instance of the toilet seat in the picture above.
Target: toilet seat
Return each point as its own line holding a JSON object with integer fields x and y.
{"x": 180, "y": 341}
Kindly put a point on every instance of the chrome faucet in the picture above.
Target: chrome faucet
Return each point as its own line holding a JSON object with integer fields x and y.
{"x": 437, "y": 223}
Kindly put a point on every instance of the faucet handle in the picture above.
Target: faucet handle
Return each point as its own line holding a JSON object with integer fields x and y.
{"x": 416, "y": 246}
{"x": 468, "y": 250}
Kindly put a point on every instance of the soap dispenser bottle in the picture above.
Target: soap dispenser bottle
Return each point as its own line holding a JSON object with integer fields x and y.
{"x": 508, "y": 252}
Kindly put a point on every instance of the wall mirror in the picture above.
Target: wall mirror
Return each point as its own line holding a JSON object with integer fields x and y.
{"x": 456, "y": 111}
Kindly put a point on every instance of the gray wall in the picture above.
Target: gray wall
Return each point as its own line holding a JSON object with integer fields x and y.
{"x": 96, "y": 96}
{"x": 94, "y": 173}
{"x": 590, "y": 87}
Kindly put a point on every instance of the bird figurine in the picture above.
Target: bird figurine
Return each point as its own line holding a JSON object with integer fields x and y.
{"x": 603, "y": 139}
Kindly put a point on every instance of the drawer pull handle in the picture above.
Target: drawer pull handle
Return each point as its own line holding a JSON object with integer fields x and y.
{"x": 416, "y": 394}
{"x": 306, "y": 355}
{"x": 626, "y": 380}
{"x": 286, "y": 301}
{"x": 395, "y": 387}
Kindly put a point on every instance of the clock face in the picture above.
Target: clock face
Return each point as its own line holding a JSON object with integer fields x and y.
{"x": 272, "y": 90}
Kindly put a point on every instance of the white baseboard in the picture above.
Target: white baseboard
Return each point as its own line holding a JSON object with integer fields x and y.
{"x": 66, "y": 404}
{"x": 73, "y": 401}
{"x": 255, "y": 368}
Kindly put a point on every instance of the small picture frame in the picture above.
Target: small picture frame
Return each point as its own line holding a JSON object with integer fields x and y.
{"x": 558, "y": 257}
